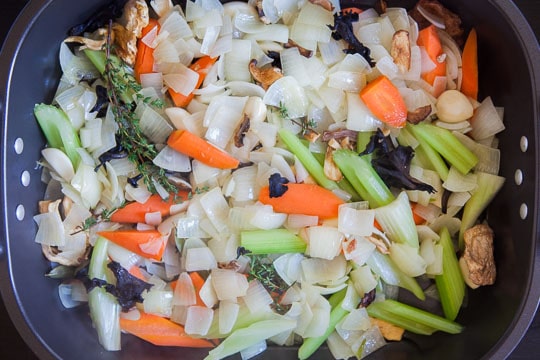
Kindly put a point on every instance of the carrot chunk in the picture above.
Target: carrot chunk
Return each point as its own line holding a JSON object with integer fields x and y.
{"x": 135, "y": 212}
{"x": 429, "y": 39}
{"x": 144, "y": 62}
{"x": 201, "y": 66}
{"x": 385, "y": 102}
{"x": 469, "y": 85}
{"x": 147, "y": 243}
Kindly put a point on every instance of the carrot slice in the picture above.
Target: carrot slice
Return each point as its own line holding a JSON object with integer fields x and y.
{"x": 201, "y": 66}
{"x": 135, "y": 212}
{"x": 469, "y": 84}
{"x": 429, "y": 39}
{"x": 144, "y": 62}
{"x": 147, "y": 243}
{"x": 307, "y": 199}
{"x": 161, "y": 332}
{"x": 385, "y": 102}
{"x": 190, "y": 144}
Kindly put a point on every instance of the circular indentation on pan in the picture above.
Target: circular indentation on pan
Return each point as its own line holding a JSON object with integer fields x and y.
{"x": 523, "y": 210}
{"x": 19, "y": 145}
{"x": 25, "y": 178}
{"x": 518, "y": 177}
{"x": 19, "y": 212}
{"x": 523, "y": 143}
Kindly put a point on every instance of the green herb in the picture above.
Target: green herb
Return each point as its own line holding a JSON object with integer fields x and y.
{"x": 122, "y": 88}
{"x": 262, "y": 269}
{"x": 306, "y": 125}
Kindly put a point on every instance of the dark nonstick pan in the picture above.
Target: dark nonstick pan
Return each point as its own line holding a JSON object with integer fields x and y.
{"x": 495, "y": 317}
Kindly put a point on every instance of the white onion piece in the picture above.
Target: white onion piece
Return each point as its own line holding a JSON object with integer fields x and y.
{"x": 158, "y": 302}
{"x": 338, "y": 347}
{"x": 331, "y": 52}
{"x": 265, "y": 218}
{"x": 124, "y": 257}
{"x": 237, "y": 61}
{"x": 266, "y": 132}
{"x": 298, "y": 221}
{"x": 223, "y": 117}
{"x": 289, "y": 267}
{"x": 408, "y": 259}
{"x": 257, "y": 297}
{"x": 457, "y": 182}
{"x": 245, "y": 184}
{"x": 166, "y": 52}
{"x": 153, "y": 125}
{"x": 59, "y": 162}
{"x": 347, "y": 81}
{"x": 486, "y": 121}
{"x": 300, "y": 170}
{"x": 324, "y": 242}
{"x": 139, "y": 193}
{"x": 198, "y": 320}
{"x": 161, "y": 7}
{"x": 50, "y": 228}
{"x": 216, "y": 208}
{"x": 243, "y": 88}
{"x": 183, "y": 82}
{"x": 150, "y": 38}
{"x": 152, "y": 80}
{"x": 278, "y": 162}
{"x": 293, "y": 65}
{"x": 432, "y": 18}
{"x": 184, "y": 292}
{"x": 90, "y": 135}
{"x": 207, "y": 293}
{"x": 287, "y": 92}
{"x": 398, "y": 17}
{"x": 360, "y": 118}
{"x": 357, "y": 249}
{"x": 228, "y": 284}
{"x": 228, "y": 313}
{"x": 198, "y": 259}
{"x": 316, "y": 270}
{"x": 172, "y": 160}
{"x": 86, "y": 182}
{"x": 427, "y": 64}
{"x": 194, "y": 10}
{"x": 176, "y": 25}
{"x": 65, "y": 293}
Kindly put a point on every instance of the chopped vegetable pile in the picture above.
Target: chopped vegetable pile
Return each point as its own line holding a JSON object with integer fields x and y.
{"x": 230, "y": 176}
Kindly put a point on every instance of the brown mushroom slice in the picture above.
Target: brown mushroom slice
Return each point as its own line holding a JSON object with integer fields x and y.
{"x": 241, "y": 132}
{"x": 303, "y": 51}
{"x": 478, "y": 263}
{"x": 418, "y": 114}
{"x": 265, "y": 76}
{"x": 330, "y": 168}
{"x": 401, "y": 50}
{"x": 92, "y": 44}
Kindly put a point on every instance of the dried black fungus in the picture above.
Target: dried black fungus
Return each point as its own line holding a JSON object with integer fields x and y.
{"x": 276, "y": 185}
{"x": 393, "y": 163}
{"x": 444, "y": 200}
{"x": 343, "y": 29}
{"x": 101, "y": 102}
{"x": 128, "y": 288}
{"x": 241, "y": 251}
{"x": 276, "y": 58}
{"x": 133, "y": 181}
{"x": 368, "y": 298}
{"x": 100, "y": 18}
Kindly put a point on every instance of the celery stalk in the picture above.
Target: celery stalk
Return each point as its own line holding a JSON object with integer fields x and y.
{"x": 104, "y": 309}
{"x": 396, "y": 219}
{"x": 446, "y": 144}
{"x": 363, "y": 178}
{"x": 58, "y": 131}
{"x": 307, "y": 159}
{"x": 244, "y": 319}
{"x": 415, "y": 315}
{"x": 362, "y": 140}
{"x": 450, "y": 283}
{"x": 379, "y": 312}
{"x": 310, "y": 345}
{"x": 383, "y": 266}
{"x": 425, "y": 151}
{"x": 251, "y": 335}
{"x": 488, "y": 185}
{"x": 276, "y": 241}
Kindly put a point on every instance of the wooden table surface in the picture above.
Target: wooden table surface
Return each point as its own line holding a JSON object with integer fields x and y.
{"x": 12, "y": 346}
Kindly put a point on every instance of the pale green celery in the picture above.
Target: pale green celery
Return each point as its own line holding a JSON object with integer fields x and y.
{"x": 104, "y": 309}
{"x": 450, "y": 283}
{"x": 251, "y": 335}
{"x": 426, "y": 152}
{"x": 276, "y": 241}
{"x": 488, "y": 185}
{"x": 396, "y": 219}
{"x": 307, "y": 159}
{"x": 362, "y": 140}
{"x": 346, "y": 186}
{"x": 406, "y": 138}
{"x": 447, "y": 145}
{"x": 416, "y": 315}
{"x": 59, "y": 131}
{"x": 383, "y": 266}
{"x": 99, "y": 60}
{"x": 310, "y": 345}
{"x": 376, "y": 311}
{"x": 363, "y": 177}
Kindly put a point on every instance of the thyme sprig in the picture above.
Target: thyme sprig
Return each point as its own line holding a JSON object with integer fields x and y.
{"x": 262, "y": 269}
{"x": 307, "y": 125}
{"x": 121, "y": 87}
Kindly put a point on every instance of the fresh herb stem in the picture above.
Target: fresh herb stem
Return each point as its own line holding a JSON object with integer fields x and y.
{"x": 276, "y": 241}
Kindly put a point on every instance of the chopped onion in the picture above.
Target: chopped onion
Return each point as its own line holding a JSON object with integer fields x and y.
{"x": 357, "y": 249}
{"x": 408, "y": 259}
{"x": 457, "y": 182}
{"x": 228, "y": 314}
{"x": 288, "y": 93}
{"x": 298, "y": 221}
{"x": 355, "y": 222}
{"x": 257, "y": 298}
{"x": 59, "y": 162}
{"x": 198, "y": 320}
{"x": 184, "y": 292}
{"x": 198, "y": 259}
{"x": 229, "y": 284}
{"x": 319, "y": 270}
{"x": 153, "y": 125}
{"x": 486, "y": 121}
{"x": 265, "y": 218}
{"x": 176, "y": 25}
{"x": 66, "y": 292}
{"x": 152, "y": 80}
{"x": 432, "y": 18}
{"x": 172, "y": 160}
{"x": 86, "y": 182}
{"x": 207, "y": 293}
{"x": 158, "y": 302}
{"x": 223, "y": 116}
{"x": 237, "y": 61}
{"x": 293, "y": 65}
{"x": 324, "y": 242}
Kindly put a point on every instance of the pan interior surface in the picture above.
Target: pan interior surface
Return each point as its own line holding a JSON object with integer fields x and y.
{"x": 495, "y": 316}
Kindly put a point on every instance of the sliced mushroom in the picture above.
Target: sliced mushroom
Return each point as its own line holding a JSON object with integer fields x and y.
{"x": 401, "y": 50}
{"x": 478, "y": 262}
{"x": 339, "y": 134}
{"x": 331, "y": 170}
{"x": 241, "y": 131}
{"x": 325, "y": 4}
{"x": 381, "y": 245}
{"x": 303, "y": 51}
{"x": 265, "y": 76}
{"x": 311, "y": 135}
{"x": 418, "y": 114}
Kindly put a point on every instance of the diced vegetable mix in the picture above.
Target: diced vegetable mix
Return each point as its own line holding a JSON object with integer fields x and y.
{"x": 234, "y": 175}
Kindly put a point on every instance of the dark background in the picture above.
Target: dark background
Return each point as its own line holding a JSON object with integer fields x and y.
{"x": 11, "y": 344}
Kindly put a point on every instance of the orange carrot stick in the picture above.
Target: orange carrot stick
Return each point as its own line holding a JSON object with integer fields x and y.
{"x": 138, "y": 241}
{"x": 190, "y": 144}
{"x": 135, "y": 212}
{"x": 307, "y": 199}
{"x": 469, "y": 58}
{"x": 429, "y": 39}
{"x": 144, "y": 62}
{"x": 161, "y": 332}
{"x": 201, "y": 66}
{"x": 385, "y": 102}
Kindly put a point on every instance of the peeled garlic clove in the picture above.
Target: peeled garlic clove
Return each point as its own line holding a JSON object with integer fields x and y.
{"x": 59, "y": 162}
{"x": 453, "y": 106}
